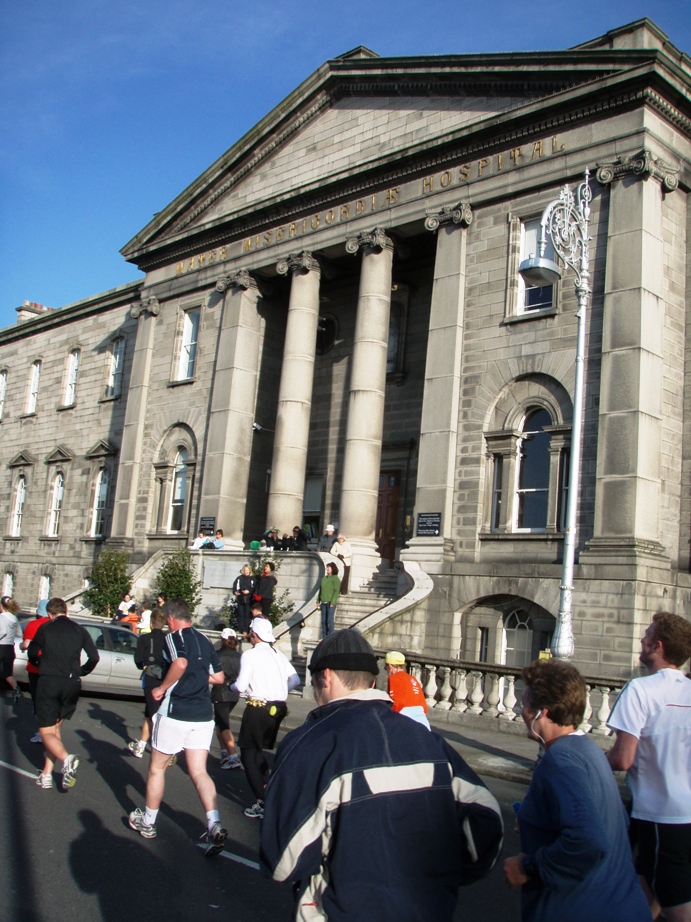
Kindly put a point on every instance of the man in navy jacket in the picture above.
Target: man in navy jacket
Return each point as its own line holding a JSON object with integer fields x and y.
{"x": 370, "y": 815}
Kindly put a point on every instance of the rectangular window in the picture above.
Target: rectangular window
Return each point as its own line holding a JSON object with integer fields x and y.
{"x": 71, "y": 379}
{"x": 8, "y": 584}
{"x": 98, "y": 513}
{"x": 483, "y": 650}
{"x": 188, "y": 345}
{"x": 3, "y": 392}
{"x": 18, "y": 511}
{"x": 44, "y": 588}
{"x": 56, "y": 506}
{"x": 564, "y": 463}
{"x": 34, "y": 381}
{"x": 496, "y": 491}
{"x": 116, "y": 361}
{"x": 531, "y": 298}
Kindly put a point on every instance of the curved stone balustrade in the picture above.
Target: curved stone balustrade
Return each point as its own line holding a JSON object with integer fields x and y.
{"x": 489, "y": 690}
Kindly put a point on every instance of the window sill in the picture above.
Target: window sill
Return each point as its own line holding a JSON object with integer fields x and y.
{"x": 12, "y": 538}
{"x": 521, "y": 536}
{"x": 28, "y": 415}
{"x": 531, "y": 315}
{"x": 65, "y": 406}
{"x": 109, "y": 399}
{"x": 181, "y": 382}
{"x": 168, "y": 536}
{"x": 51, "y": 539}
{"x": 93, "y": 539}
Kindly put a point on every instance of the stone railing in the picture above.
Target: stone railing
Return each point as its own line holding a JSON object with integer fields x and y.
{"x": 488, "y": 690}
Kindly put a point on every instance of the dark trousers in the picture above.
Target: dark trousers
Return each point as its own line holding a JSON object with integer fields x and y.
{"x": 258, "y": 731}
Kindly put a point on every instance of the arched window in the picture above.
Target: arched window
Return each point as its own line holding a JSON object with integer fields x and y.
{"x": 518, "y": 639}
{"x": 533, "y": 472}
{"x": 18, "y": 511}
{"x": 34, "y": 381}
{"x": 70, "y": 394}
{"x": 57, "y": 494}
{"x": 116, "y": 361}
{"x": 178, "y": 495}
{"x": 98, "y": 511}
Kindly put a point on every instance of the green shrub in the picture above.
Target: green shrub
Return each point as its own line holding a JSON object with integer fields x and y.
{"x": 109, "y": 583}
{"x": 176, "y": 579}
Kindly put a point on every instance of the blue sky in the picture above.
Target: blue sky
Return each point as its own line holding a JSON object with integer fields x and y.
{"x": 110, "y": 108}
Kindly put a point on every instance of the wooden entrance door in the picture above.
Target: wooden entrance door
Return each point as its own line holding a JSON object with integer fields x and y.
{"x": 387, "y": 513}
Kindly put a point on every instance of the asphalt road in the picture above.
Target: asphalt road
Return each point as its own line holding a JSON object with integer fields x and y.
{"x": 71, "y": 855}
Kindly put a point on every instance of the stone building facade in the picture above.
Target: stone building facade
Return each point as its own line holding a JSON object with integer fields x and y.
{"x": 332, "y": 327}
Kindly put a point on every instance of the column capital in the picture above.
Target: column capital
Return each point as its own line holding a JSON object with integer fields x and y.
{"x": 450, "y": 214}
{"x": 643, "y": 164}
{"x": 297, "y": 262}
{"x": 240, "y": 279}
{"x": 375, "y": 239}
{"x": 149, "y": 305}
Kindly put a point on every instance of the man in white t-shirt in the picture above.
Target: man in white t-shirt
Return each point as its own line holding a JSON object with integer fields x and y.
{"x": 266, "y": 677}
{"x": 652, "y": 719}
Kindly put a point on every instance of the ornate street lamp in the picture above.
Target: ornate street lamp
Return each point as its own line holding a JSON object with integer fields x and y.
{"x": 566, "y": 221}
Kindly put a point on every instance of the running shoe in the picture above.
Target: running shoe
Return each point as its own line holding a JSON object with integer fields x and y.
{"x": 138, "y": 822}
{"x": 256, "y": 811}
{"x": 136, "y": 747}
{"x": 215, "y": 839}
{"x": 231, "y": 762}
{"x": 44, "y": 781}
{"x": 69, "y": 767}
{"x": 36, "y": 738}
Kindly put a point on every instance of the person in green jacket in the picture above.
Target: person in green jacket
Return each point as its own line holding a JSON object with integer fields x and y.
{"x": 329, "y": 591}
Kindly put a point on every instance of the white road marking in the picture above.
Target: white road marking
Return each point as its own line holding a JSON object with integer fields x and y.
{"x": 232, "y": 857}
{"x": 21, "y": 771}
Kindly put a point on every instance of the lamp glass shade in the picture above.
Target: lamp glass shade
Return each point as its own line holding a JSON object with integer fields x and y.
{"x": 538, "y": 271}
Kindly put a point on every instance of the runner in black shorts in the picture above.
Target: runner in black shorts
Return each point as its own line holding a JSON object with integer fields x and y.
{"x": 56, "y": 650}
{"x": 224, "y": 700}
{"x": 149, "y": 658}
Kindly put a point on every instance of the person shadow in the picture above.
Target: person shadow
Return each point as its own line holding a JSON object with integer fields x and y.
{"x": 142, "y": 876}
{"x": 114, "y": 722}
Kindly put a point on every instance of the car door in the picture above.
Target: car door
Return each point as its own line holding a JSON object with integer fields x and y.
{"x": 99, "y": 679}
{"x": 124, "y": 676}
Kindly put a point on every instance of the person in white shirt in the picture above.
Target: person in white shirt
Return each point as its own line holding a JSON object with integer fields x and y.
{"x": 266, "y": 677}
{"x": 652, "y": 720}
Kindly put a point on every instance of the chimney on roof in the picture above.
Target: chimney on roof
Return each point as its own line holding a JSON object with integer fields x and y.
{"x": 29, "y": 310}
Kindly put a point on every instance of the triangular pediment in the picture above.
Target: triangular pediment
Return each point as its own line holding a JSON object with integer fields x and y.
{"x": 360, "y": 117}
{"x": 23, "y": 459}
{"x": 101, "y": 449}
{"x": 59, "y": 455}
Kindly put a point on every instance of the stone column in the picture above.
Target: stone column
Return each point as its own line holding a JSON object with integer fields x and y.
{"x": 295, "y": 392}
{"x": 627, "y": 497}
{"x": 125, "y": 503}
{"x": 362, "y": 459}
{"x": 233, "y": 400}
{"x": 440, "y": 402}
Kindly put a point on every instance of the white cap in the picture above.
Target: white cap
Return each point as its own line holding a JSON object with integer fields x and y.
{"x": 262, "y": 628}
{"x": 330, "y": 528}
{"x": 227, "y": 633}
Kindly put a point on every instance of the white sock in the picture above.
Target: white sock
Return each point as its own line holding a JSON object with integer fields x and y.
{"x": 224, "y": 753}
{"x": 213, "y": 816}
{"x": 150, "y": 817}
{"x": 141, "y": 745}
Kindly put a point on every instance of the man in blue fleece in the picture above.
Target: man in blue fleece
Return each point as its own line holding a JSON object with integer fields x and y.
{"x": 371, "y": 816}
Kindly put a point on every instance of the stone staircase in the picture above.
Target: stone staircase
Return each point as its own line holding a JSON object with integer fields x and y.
{"x": 379, "y": 591}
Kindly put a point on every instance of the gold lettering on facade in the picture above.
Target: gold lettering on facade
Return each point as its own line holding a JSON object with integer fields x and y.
{"x": 223, "y": 253}
{"x": 304, "y": 225}
{"x": 464, "y": 172}
{"x": 201, "y": 259}
{"x": 555, "y": 145}
{"x": 180, "y": 268}
{"x": 359, "y": 206}
{"x": 247, "y": 245}
{"x": 515, "y": 154}
{"x": 445, "y": 179}
{"x": 374, "y": 203}
{"x": 330, "y": 217}
{"x": 427, "y": 184}
{"x": 392, "y": 195}
{"x": 256, "y": 241}
{"x": 292, "y": 230}
{"x": 190, "y": 264}
{"x": 538, "y": 149}
{"x": 280, "y": 233}
{"x": 499, "y": 161}
{"x": 267, "y": 237}
{"x": 481, "y": 164}
{"x": 345, "y": 212}
{"x": 212, "y": 256}
{"x": 315, "y": 221}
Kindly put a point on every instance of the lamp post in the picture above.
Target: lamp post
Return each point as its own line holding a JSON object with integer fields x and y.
{"x": 566, "y": 221}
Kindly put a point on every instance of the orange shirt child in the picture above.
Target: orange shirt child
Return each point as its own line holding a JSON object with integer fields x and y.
{"x": 406, "y": 692}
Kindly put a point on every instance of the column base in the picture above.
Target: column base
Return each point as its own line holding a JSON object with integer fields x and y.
{"x": 366, "y": 561}
{"x": 429, "y": 553}
{"x": 621, "y": 553}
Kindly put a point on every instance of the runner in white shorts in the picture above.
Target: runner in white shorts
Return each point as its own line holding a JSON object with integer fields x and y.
{"x": 184, "y": 721}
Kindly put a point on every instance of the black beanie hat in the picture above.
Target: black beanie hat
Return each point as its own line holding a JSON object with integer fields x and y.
{"x": 346, "y": 649}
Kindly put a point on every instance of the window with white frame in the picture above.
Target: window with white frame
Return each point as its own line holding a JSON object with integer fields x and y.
{"x": 98, "y": 511}
{"x": 533, "y": 470}
{"x": 71, "y": 376}
{"x": 56, "y": 497}
{"x": 187, "y": 358}
{"x": 3, "y": 393}
{"x": 518, "y": 639}
{"x": 8, "y": 584}
{"x": 178, "y": 496}
{"x": 34, "y": 381}
{"x": 18, "y": 507}
{"x": 44, "y": 588}
{"x": 116, "y": 360}
{"x": 534, "y": 298}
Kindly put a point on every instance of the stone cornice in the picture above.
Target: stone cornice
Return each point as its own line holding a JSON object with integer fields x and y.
{"x": 375, "y": 239}
{"x": 297, "y": 262}
{"x": 643, "y": 164}
{"x": 450, "y": 214}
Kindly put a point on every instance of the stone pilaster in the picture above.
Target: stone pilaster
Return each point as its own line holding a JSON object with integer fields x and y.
{"x": 627, "y": 499}
{"x": 362, "y": 458}
{"x": 125, "y": 503}
{"x": 295, "y": 392}
{"x": 439, "y": 423}
{"x": 233, "y": 399}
